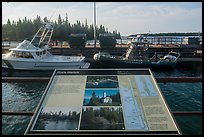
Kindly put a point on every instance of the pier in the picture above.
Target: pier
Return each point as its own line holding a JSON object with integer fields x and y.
{"x": 189, "y": 53}
{"x": 158, "y": 79}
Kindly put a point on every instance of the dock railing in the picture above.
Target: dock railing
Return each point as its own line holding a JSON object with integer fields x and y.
{"x": 158, "y": 79}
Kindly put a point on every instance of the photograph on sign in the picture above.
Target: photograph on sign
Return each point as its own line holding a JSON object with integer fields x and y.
{"x": 102, "y": 97}
{"x": 102, "y": 118}
{"x": 102, "y": 82}
{"x": 58, "y": 118}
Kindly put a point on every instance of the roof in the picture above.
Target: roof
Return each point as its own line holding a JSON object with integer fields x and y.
{"x": 26, "y": 46}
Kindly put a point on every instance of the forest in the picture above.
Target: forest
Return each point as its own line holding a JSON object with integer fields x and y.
{"x": 26, "y": 28}
{"x": 110, "y": 115}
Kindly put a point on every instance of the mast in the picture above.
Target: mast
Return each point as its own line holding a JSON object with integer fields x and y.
{"x": 94, "y": 24}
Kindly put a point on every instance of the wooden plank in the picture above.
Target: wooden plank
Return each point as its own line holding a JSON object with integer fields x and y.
{"x": 158, "y": 79}
{"x": 190, "y": 59}
{"x": 179, "y": 79}
{"x": 25, "y": 79}
{"x": 183, "y": 113}
{"x": 187, "y": 113}
{"x": 17, "y": 113}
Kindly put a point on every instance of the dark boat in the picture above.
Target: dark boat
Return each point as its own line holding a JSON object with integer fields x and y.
{"x": 140, "y": 60}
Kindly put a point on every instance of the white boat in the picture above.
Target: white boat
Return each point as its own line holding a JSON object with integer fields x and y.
{"x": 35, "y": 55}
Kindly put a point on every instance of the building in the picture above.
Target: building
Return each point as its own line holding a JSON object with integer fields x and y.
{"x": 106, "y": 99}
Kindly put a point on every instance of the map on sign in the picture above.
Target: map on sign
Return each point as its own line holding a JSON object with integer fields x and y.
{"x": 134, "y": 116}
{"x": 145, "y": 86}
{"x": 113, "y": 101}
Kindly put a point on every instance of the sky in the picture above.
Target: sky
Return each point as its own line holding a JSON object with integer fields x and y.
{"x": 125, "y": 17}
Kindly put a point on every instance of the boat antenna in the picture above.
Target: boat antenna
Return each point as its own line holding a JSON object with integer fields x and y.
{"x": 94, "y": 24}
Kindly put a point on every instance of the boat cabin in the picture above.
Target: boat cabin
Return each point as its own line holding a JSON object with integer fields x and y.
{"x": 20, "y": 54}
{"x": 28, "y": 53}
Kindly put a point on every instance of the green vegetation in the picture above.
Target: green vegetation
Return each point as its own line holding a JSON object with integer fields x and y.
{"x": 102, "y": 116}
{"x": 54, "y": 116}
{"x": 26, "y": 28}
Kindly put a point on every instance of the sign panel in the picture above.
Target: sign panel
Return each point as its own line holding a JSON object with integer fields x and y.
{"x": 102, "y": 101}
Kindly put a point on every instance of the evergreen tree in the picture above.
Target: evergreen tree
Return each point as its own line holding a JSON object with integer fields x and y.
{"x": 66, "y": 20}
{"x": 59, "y": 19}
{"x": 26, "y": 28}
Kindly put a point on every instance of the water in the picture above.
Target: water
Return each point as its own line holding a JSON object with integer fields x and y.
{"x": 57, "y": 125}
{"x": 179, "y": 97}
{"x": 19, "y": 97}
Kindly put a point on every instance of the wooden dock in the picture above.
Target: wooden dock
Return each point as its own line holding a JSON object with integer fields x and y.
{"x": 158, "y": 79}
{"x": 188, "y": 53}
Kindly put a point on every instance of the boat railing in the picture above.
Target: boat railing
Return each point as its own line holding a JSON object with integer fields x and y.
{"x": 154, "y": 58}
{"x": 176, "y": 54}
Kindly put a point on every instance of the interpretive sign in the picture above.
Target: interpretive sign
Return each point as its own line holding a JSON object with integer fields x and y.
{"x": 102, "y": 101}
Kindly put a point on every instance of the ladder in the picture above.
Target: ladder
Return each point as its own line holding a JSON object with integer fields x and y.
{"x": 129, "y": 51}
{"x": 43, "y": 35}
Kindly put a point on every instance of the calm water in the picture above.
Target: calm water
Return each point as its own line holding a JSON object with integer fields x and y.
{"x": 58, "y": 125}
{"x": 179, "y": 96}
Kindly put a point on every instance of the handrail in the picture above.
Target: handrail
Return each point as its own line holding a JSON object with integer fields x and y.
{"x": 25, "y": 79}
{"x": 184, "y": 113}
{"x": 158, "y": 79}
{"x": 17, "y": 113}
{"x": 187, "y": 113}
{"x": 178, "y": 79}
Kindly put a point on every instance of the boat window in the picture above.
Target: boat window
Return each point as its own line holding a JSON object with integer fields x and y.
{"x": 20, "y": 54}
{"x": 13, "y": 54}
{"x": 28, "y": 55}
{"x": 39, "y": 53}
{"x": 44, "y": 51}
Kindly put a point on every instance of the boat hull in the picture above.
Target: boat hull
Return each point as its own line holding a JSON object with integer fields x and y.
{"x": 112, "y": 62}
{"x": 34, "y": 65}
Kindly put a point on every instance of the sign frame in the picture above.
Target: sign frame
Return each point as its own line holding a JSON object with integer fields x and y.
{"x": 141, "y": 74}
